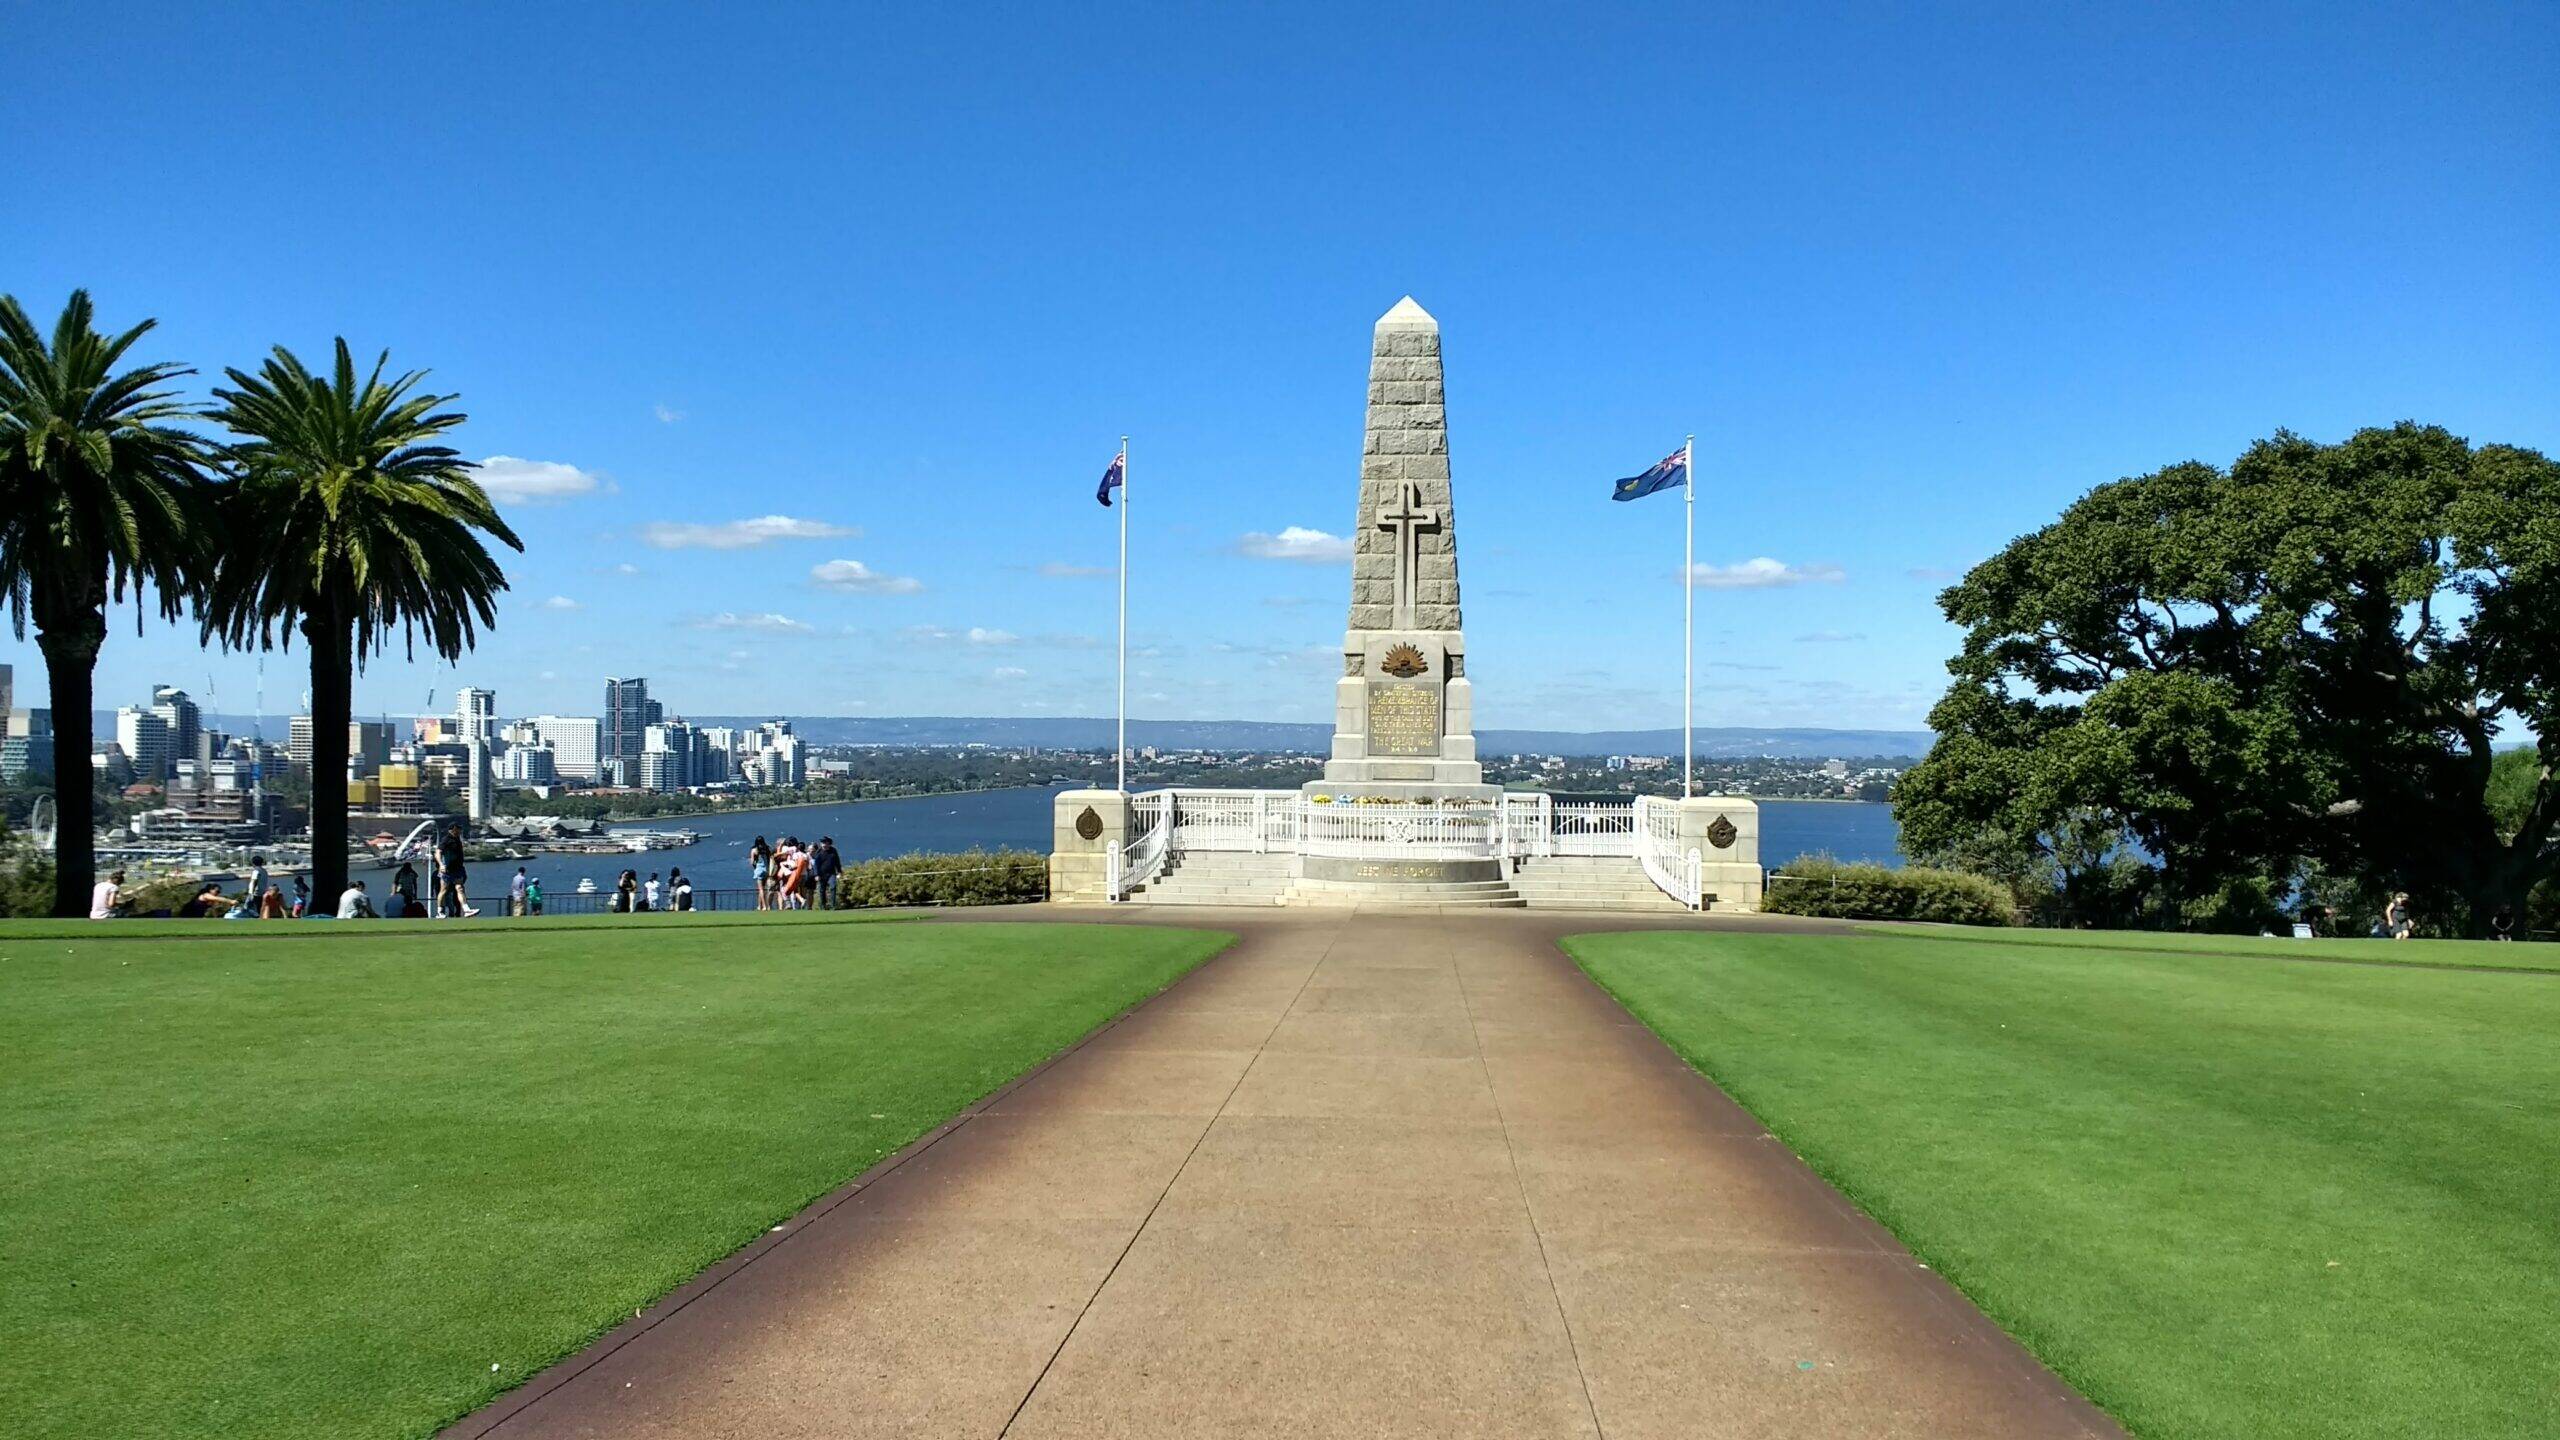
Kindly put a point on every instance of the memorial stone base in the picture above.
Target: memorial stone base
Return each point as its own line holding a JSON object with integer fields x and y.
{"x": 1086, "y": 826}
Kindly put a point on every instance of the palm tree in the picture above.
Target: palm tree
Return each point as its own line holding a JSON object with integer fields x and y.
{"x": 351, "y": 523}
{"x": 101, "y": 495}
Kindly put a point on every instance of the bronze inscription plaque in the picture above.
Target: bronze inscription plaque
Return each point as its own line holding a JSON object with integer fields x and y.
{"x": 1404, "y": 719}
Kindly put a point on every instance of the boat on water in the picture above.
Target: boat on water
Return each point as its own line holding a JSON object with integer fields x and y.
{"x": 587, "y": 886}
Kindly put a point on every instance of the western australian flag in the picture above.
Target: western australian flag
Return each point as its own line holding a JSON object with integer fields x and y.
{"x": 1111, "y": 477}
{"x": 1673, "y": 469}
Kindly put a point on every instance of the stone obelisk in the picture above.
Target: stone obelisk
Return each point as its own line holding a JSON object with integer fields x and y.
{"x": 1403, "y": 710}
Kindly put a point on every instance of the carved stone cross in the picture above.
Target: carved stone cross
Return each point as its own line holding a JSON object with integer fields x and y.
{"x": 1408, "y": 518}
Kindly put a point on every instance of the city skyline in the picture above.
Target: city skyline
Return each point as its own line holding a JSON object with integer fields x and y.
{"x": 1908, "y": 313}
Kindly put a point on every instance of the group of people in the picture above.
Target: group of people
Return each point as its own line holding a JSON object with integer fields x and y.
{"x": 635, "y": 896}
{"x": 792, "y": 876}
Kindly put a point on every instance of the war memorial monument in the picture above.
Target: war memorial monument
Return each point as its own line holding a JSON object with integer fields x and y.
{"x": 1402, "y": 814}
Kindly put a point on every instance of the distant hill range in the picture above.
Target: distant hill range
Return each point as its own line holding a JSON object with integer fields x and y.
{"x": 1081, "y": 733}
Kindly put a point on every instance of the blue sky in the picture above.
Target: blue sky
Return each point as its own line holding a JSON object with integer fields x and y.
{"x": 1916, "y": 276}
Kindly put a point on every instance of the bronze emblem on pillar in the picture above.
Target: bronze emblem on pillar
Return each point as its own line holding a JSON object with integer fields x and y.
{"x": 1721, "y": 834}
{"x": 1089, "y": 825}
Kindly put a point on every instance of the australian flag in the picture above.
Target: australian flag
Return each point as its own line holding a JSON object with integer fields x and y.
{"x": 1673, "y": 469}
{"x": 1111, "y": 478}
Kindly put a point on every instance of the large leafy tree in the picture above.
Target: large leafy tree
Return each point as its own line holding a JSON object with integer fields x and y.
{"x": 2308, "y": 658}
{"x": 103, "y": 494}
{"x": 352, "y": 523}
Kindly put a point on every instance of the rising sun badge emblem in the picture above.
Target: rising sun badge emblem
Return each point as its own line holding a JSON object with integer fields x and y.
{"x": 1403, "y": 662}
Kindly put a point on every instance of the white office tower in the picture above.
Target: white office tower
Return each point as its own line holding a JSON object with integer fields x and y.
{"x": 481, "y": 793}
{"x": 475, "y": 714}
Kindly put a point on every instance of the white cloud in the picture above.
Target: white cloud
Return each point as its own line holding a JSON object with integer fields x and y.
{"x": 852, "y": 577}
{"x": 626, "y": 568}
{"x": 1764, "y": 573}
{"x": 1297, "y": 542}
{"x": 1008, "y": 672}
{"x": 980, "y": 635}
{"x": 767, "y": 622}
{"x": 559, "y": 602}
{"x": 667, "y": 414}
{"x": 1061, "y": 570}
{"x": 531, "y": 482}
{"x": 740, "y": 534}
{"x": 974, "y": 635}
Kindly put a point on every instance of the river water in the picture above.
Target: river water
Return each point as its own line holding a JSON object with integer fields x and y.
{"x": 1019, "y": 820}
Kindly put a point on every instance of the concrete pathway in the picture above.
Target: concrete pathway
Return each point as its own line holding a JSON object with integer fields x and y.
{"x": 1365, "y": 1175}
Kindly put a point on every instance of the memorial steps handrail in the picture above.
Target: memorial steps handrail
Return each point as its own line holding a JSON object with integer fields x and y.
{"x": 1142, "y": 857}
{"x": 1434, "y": 830}
{"x": 1674, "y": 871}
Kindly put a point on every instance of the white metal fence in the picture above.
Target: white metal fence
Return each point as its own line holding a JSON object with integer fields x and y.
{"x": 1520, "y": 826}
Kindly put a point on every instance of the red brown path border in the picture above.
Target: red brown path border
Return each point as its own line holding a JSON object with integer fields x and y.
{"x": 1366, "y": 1174}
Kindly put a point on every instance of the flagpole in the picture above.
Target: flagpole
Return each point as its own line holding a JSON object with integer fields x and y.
{"x": 1120, "y": 750}
{"x": 1688, "y": 611}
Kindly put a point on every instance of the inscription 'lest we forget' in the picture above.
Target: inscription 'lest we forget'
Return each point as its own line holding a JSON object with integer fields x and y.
{"x": 1404, "y": 719}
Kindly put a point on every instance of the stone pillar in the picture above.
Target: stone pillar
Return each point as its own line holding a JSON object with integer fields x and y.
{"x": 1725, "y": 831}
{"x": 1086, "y": 827}
{"x": 1404, "y": 722}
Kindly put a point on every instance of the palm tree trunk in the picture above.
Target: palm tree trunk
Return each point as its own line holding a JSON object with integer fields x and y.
{"x": 332, "y": 700}
{"x": 70, "y": 664}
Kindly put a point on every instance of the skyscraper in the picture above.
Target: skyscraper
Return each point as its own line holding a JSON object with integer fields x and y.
{"x": 476, "y": 711}
{"x": 144, "y": 738}
{"x": 576, "y": 743}
{"x": 628, "y": 714}
{"x": 185, "y": 722}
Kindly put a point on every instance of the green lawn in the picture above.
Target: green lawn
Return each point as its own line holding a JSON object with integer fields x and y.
{"x": 2464, "y": 954}
{"x": 293, "y": 1180}
{"x": 2223, "y": 1195}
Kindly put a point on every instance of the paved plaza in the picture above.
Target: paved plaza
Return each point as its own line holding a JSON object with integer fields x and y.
{"x": 1369, "y": 1173}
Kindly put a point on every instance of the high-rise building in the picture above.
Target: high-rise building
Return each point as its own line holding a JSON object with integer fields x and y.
{"x": 671, "y": 755}
{"x": 26, "y": 743}
{"x": 628, "y": 714}
{"x": 529, "y": 764}
{"x": 480, "y": 794}
{"x": 476, "y": 712}
{"x": 576, "y": 741}
{"x": 8, "y": 689}
{"x": 186, "y": 723}
{"x": 144, "y": 738}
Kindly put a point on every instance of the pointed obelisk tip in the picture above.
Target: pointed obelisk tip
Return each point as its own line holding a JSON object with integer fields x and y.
{"x": 1407, "y": 313}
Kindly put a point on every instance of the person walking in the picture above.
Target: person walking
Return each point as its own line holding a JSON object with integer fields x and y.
{"x": 2397, "y": 923}
{"x": 451, "y": 899}
{"x": 517, "y": 889}
{"x": 830, "y": 865}
{"x": 760, "y": 864}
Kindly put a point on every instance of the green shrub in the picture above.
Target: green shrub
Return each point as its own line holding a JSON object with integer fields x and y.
{"x": 975, "y": 877}
{"x": 1819, "y": 885}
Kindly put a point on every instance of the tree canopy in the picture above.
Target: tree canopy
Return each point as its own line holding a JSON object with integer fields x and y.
{"x": 2306, "y": 662}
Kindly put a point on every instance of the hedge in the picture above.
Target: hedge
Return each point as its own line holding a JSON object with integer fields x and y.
{"x": 975, "y": 877}
{"x": 1818, "y": 885}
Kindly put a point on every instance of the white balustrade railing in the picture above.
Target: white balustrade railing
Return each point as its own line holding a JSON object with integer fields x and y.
{"x": 1150, "y": 841}
{"x": 1676, "y": 872}
{"x": 1523, "y": 825}
{"x": 1593, "y": 830}
{"x": 1443, "y": 830}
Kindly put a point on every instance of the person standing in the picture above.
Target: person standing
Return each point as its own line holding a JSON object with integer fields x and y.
{"x": 257, "y": 883}
{"x": 760, "y": 864}
{"x": 517, "y": 889}
{"x": 626, "y": 893}
{"x": 301, "y": 896}
{"x": 830, "y": 865}
{"x": 104, "y": 898}
{"x": 533, "y": 897}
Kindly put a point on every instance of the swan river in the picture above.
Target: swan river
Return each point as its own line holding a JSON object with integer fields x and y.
{"x": 1019, "y": 820}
